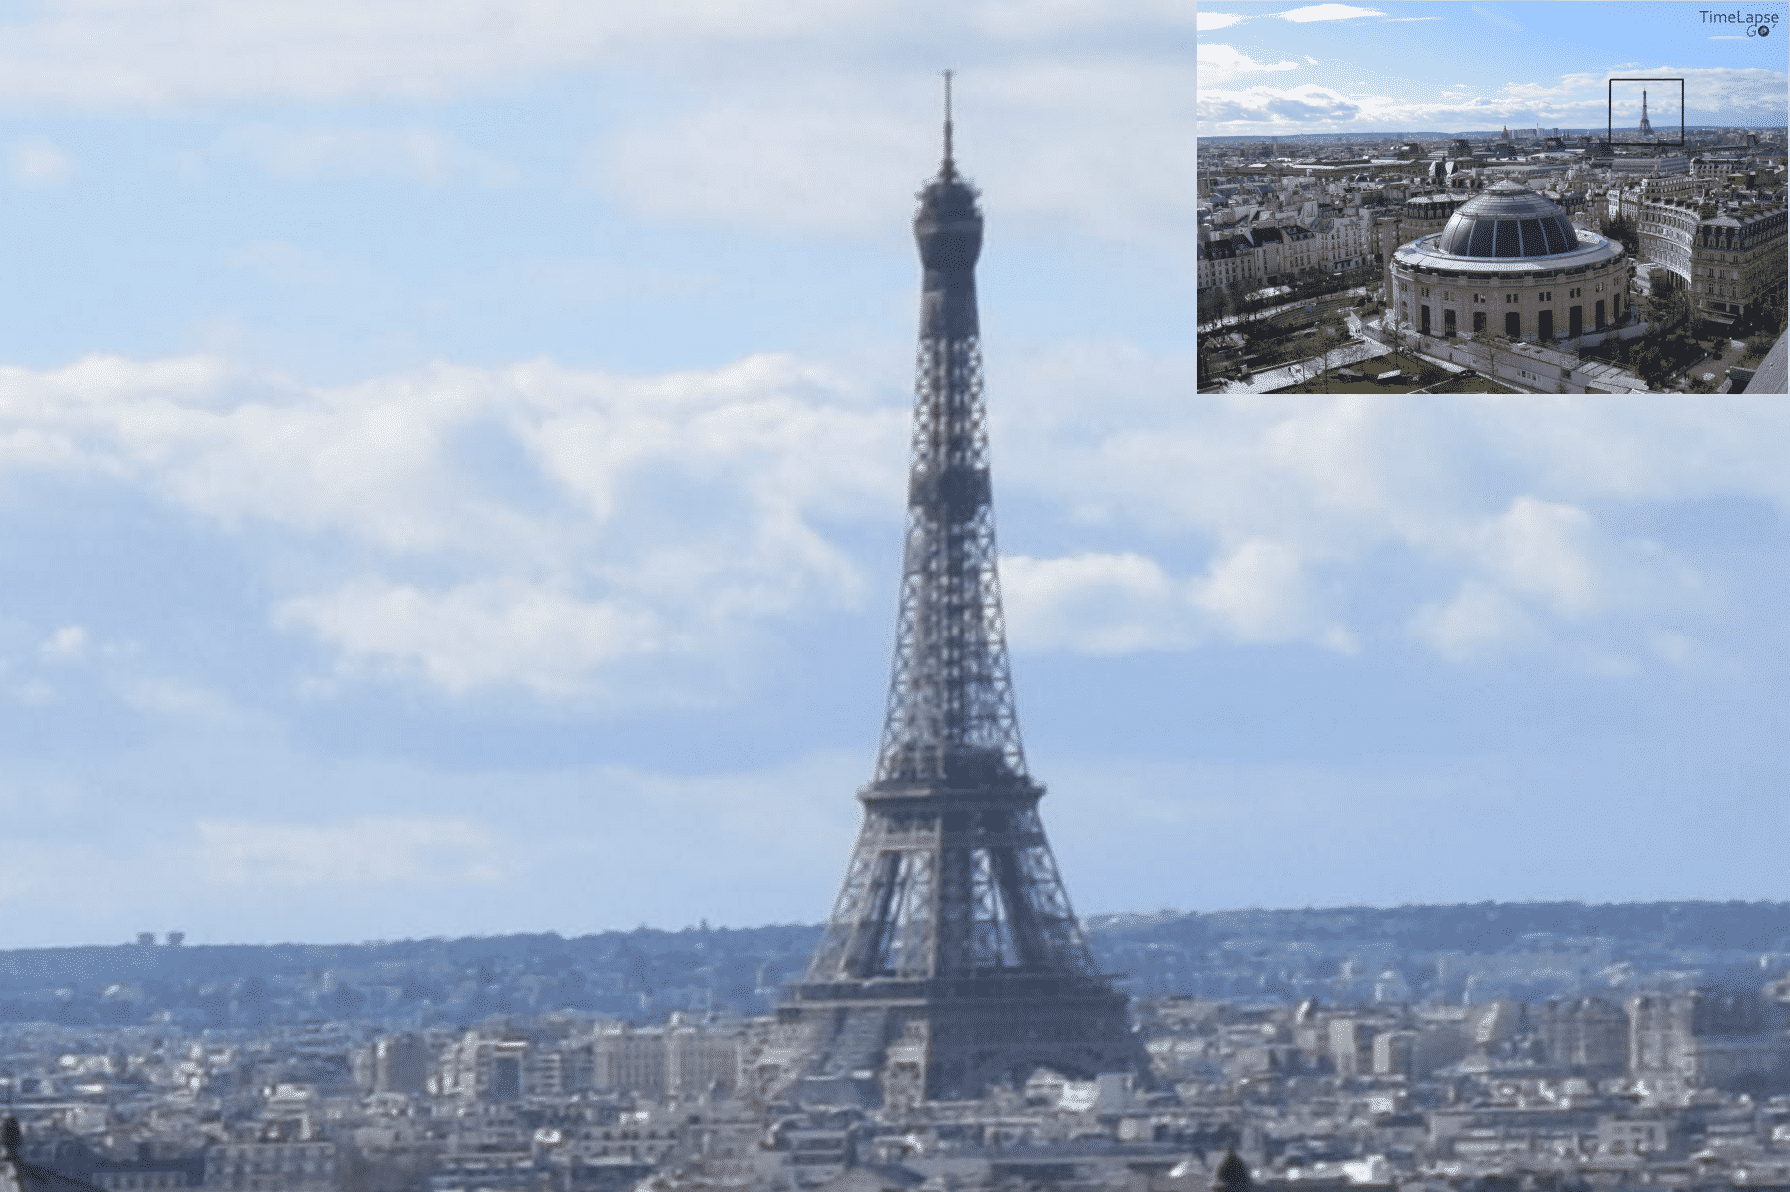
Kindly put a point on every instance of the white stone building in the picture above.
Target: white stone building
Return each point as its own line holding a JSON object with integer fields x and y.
{"x": 1509, "y": 262}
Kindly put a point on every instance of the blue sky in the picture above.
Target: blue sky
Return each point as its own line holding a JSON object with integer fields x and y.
{"x": 451, "y": 467}
{"x": 1462, "y": 65}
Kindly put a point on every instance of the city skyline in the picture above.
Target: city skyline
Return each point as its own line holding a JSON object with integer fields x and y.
{"x": 1283, "y": 69}
{"x": 452, "y": 472}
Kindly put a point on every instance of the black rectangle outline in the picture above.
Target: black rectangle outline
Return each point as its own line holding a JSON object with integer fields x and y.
{"x": 1610, "y": 119}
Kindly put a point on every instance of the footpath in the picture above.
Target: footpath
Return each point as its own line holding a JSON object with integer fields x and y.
{"x": 1271, "y": 379}
{"x": 1373, "y": 329}
{"x": 1271, "y": 311}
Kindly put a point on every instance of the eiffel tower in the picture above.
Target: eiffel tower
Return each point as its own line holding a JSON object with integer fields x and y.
{"x": 952, "y": 959}
{"x": 1646, "y": 129}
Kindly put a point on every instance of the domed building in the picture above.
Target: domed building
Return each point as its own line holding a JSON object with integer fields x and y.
{"x": 1509, "y": 262}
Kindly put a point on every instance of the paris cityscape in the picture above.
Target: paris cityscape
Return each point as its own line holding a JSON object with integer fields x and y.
{"x": 507, "y": 476}
{"x": 1339, "y": 254}
{"x": 1640, "y": 1045}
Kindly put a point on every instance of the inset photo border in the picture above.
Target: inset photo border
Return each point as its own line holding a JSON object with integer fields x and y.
{"x": 1610, "y": 113}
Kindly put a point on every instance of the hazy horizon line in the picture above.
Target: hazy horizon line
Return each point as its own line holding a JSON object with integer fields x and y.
{"x": 704, "y": 925}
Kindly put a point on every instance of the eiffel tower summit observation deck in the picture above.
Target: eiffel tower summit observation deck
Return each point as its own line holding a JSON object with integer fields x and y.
{"x": 952, "y": 960}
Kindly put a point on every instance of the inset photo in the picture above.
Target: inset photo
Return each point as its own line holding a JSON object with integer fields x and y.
{"x": 1551, "y": 196}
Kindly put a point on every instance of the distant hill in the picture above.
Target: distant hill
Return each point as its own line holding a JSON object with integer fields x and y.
{"x": 1485, "y": 927}
{"x": 1525, "y": 950}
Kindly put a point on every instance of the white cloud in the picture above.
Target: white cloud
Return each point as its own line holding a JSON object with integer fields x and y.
{"x": 1259, "y": 593}
{"x": 1573, "y": 98}
{"x": 1328, "y": 12}
{"x": 67, "y": 644}
{"x": 37, "y": 163}
{"x": 1476, "y": 622}
{"x": 177, "y": 699}
{"x": 532, "y": 526}
{"x": 725, "y": 163}
{"x": 419, "y": 152}
{"x": 1307, "y": 103}
{"x": 480, "y": 634}
{"x": 169, "y": 51}
{"x": 1210, "y": 22}
{"x": 164, "y": 52}
{"x": 1349, "y": 523}
{"x": 374, "y": 851}
{"x": 1544, "y": 551}
{"x": 1496, "y": 18}
{"x": 750, "y": 157}
{"x": 1539, "y": 567}
{"x": 1094, "y": 604}
{"x": 1255, "y": 594}
{"x": 1037, "y": 18}
{"x": 1222, "y": 63}
{"x": 415, "y": 152}
{"x": 33, "y": 693}
{"x": 582, "y": 535}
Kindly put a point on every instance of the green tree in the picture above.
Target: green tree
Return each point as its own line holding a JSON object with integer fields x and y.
{"x": 1622, "y": 230}
{"x": 1651, "y": 366}
{"x": 1672, "y": 314}
{"x": 1766, "y": 315}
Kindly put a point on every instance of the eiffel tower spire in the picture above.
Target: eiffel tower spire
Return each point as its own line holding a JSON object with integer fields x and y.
{"x": 952, "y": 959}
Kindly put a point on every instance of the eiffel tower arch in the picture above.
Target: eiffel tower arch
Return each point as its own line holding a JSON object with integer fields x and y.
{"x": 952, "y": 959}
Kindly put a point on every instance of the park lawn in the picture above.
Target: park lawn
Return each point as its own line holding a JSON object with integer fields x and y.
{"x": 1408, "y": 383}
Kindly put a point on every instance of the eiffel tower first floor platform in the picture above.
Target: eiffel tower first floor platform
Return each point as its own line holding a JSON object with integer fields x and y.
{"x": 897, "y": 1042}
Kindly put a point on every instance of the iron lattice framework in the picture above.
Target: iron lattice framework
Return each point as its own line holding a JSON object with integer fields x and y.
{"x": 952, "y": 957}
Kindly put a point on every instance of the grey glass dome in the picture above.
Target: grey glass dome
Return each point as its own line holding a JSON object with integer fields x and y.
{"x": 1507, "y": 220}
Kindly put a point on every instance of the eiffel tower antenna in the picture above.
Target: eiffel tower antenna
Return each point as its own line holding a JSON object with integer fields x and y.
{"x": 952, "y": 959}
{"x": 950, "y": 167}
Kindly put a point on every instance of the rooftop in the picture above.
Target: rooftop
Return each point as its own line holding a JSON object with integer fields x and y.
{"x": 1773, "y": 375}
{"x": 1508, "y": 220}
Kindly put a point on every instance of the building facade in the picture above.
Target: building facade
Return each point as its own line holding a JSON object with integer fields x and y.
{"x": 680, "y": 1059}
{"x": 1509, "y": 262}
{"x": 1649, "y": 166}
{"x": 299, "y": 1166}
{"x": 1227, "y": 260}
{"x": 1736, "y": 259}
{"x": 401, "y": 1063}
{"x": 1706, "y": 1038}
{"x": 484, "y": 1069}
{"x": 1587, "y": 1036}
{"x": 1265, "y": 254}
{"x": 1668, "y": 228}
{"x": 1419, "y": 216}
